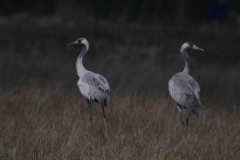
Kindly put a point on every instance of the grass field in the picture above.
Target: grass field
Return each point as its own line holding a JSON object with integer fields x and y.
{"x": 53, "y": 125}
{"x": 43, "y": 115}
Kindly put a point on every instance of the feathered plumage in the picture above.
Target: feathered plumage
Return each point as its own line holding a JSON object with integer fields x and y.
{"x": 183, "y": 88}
{"x": 92, "y": 86}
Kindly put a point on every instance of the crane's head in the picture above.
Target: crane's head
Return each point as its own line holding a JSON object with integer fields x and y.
{"x": 189, "y": 45}
{"x": 80, "y": 41}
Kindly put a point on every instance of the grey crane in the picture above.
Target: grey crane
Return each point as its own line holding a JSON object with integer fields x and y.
{"x": 184, "y": 89}
{"x": 92, "y": 86}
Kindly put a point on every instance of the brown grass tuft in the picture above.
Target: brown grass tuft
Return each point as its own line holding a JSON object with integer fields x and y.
{"x": 40, "y": 124}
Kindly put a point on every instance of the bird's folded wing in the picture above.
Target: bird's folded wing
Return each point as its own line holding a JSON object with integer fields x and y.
{"x": 192, "y": 101}
{"x": 183, "y": 86}
{"x": 184, "y": 93}
{"x": 96, "y": 80}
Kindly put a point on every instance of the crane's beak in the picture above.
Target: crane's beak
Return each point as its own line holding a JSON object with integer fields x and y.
{"x": 75, "y": 42}
{"x": 197, "y": 48}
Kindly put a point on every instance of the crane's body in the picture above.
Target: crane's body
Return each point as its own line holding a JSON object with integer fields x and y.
{"x": 184, "y": 89}
{"x": 92, "y": 86}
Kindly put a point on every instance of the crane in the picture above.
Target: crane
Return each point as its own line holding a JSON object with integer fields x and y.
{"x": 92, "y": 86}
{"x": 184, "y": 89}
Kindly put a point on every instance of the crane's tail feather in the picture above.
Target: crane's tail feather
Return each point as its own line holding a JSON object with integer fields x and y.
{"x": 192, "y": 106}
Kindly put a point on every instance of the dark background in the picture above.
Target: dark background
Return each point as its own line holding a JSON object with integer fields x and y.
{"x": 134, "y": 44}
{"x": 129, "y": 10}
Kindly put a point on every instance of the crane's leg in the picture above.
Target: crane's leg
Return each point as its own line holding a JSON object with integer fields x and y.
{"x": 187, "y": 121}
{"x": 104, "y": 119}
{"x": 180, "y": 110}
{"x": 90, "y": 115}
{"x": 182, "y": 123}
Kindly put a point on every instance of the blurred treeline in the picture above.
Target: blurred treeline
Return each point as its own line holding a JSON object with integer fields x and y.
{"x": 150, "y": 11}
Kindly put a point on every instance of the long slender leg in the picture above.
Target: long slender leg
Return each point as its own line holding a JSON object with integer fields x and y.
{"x": 187, "y": 121}
{"x": 180, "y": 110}
{"x": 182, "y": 123}
{"x": 90, "y": 115}
{"x": 104, "y": 119}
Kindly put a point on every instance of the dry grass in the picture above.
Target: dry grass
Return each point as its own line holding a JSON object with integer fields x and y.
{"x": 40, "y": 124}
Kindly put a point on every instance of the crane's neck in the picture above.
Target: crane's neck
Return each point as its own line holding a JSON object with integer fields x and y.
{"x": 79, "y": 64}
{"x": 186, "y": 58}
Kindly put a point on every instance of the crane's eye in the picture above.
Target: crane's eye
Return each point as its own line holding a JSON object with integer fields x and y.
{"x": 79, "y": 41}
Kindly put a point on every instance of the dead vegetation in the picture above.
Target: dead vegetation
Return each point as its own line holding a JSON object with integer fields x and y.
{"x": 40, "y": 124}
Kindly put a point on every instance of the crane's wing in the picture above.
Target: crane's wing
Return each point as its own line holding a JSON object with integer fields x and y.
{"x": 186, "y": 83}
{"x": 97, "y": 81}
{"x": 185, "y": 91}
